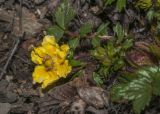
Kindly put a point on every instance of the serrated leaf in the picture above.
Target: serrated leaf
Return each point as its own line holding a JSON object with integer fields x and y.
{"x": 127, "y": 44}
{"x": 64, "y": 14}
{"x": 96, "y": 42}
{"x": 60, "y": 16}
{"x": 98, "y": 53}
{"x": 69, "y": 13}
{"x": 85, "y": 29}
{"x": 116, "y": 94}
{"x": 155, "y": 74}
{"x": 73, "y": 43}
{"x": 110, "y": 49}
{"x": 119, "y": 63}
{"x": 104, "y": 71}
{"x": 97, "y": 79}
{"x": 121, "y": 4}
{"x": 150, "y": 14}
{"x": 143, "y": 100}
{"x": 55, "y": 31}
{"x": 119, "y": 32}
{"x": 102, "y": 29}
{"x": 140, "y": 89}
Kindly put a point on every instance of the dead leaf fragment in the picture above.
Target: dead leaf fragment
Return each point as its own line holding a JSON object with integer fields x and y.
{"x": 94, "y": 96}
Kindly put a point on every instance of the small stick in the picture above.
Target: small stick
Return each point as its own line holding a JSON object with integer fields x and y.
{"x": 10, "y": 57}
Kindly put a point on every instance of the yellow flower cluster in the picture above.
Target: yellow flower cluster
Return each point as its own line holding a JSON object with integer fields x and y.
{"x": 51, "y": 60}
{"x": 146, "y": 4}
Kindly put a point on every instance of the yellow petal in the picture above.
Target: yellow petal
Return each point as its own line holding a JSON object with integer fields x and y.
{"x": 61, "y": 54}
{"x": 63, "y": 69}
{"x": 37, "y": 55}
{"x": 51, "y": 50}
{"x": 50, "y": 80}
{"x": 40, "y": 74}
{"x": 64, "y": 48}
{"x": 49, "y": 40}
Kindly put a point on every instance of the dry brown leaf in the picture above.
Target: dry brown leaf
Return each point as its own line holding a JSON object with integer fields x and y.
{"x": 93, "y": 96}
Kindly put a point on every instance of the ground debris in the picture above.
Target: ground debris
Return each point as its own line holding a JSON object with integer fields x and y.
{"x": 73, "y": 97}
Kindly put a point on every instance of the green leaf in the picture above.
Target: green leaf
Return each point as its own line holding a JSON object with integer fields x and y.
{"x": 102, "y": 29}
{"x": 127, "y": 44}
{"x": 73, "y": 43}
{"x": 97, "y": 79}
{"x": 119, "y": 63}
{"x": 85, "y": 29}
{"x": 64, "y": 14}
{"x": 55, "y": 31}
{"x": 116, "y": 94}
{"x": 60, "y": 16}
{"x": 140, "y": 89}
{"x": 150, "y": 14}
{"x": 110, "y": 49}
{"x": 76, "y": 63}
{"x": 155, "y": 74}
{"x": 104, "y": 71}
{"x": 98, "y": 53}
{"x": 127, "y": 77}
{"x": 108, "y": 2}
{"x": 96, "y": 42}
{"x": 121, "y": 4}
{"x": 119, "y": 32}
{"x": 69, "y": 13}
{"x": 143, "y": 100}
{"x": 154, "y": 49}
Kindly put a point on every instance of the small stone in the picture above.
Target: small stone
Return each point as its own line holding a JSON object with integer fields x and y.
{"x": 5, "y": 108}
{"x": 9, "y": 78}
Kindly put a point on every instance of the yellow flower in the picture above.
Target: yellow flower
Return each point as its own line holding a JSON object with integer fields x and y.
{"x": 52, "y": 58}
{"x": 63, "y": 69}
{"x": 44, "y": 77}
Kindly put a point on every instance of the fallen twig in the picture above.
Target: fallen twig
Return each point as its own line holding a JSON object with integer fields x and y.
{"x": 10, "y": 56}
